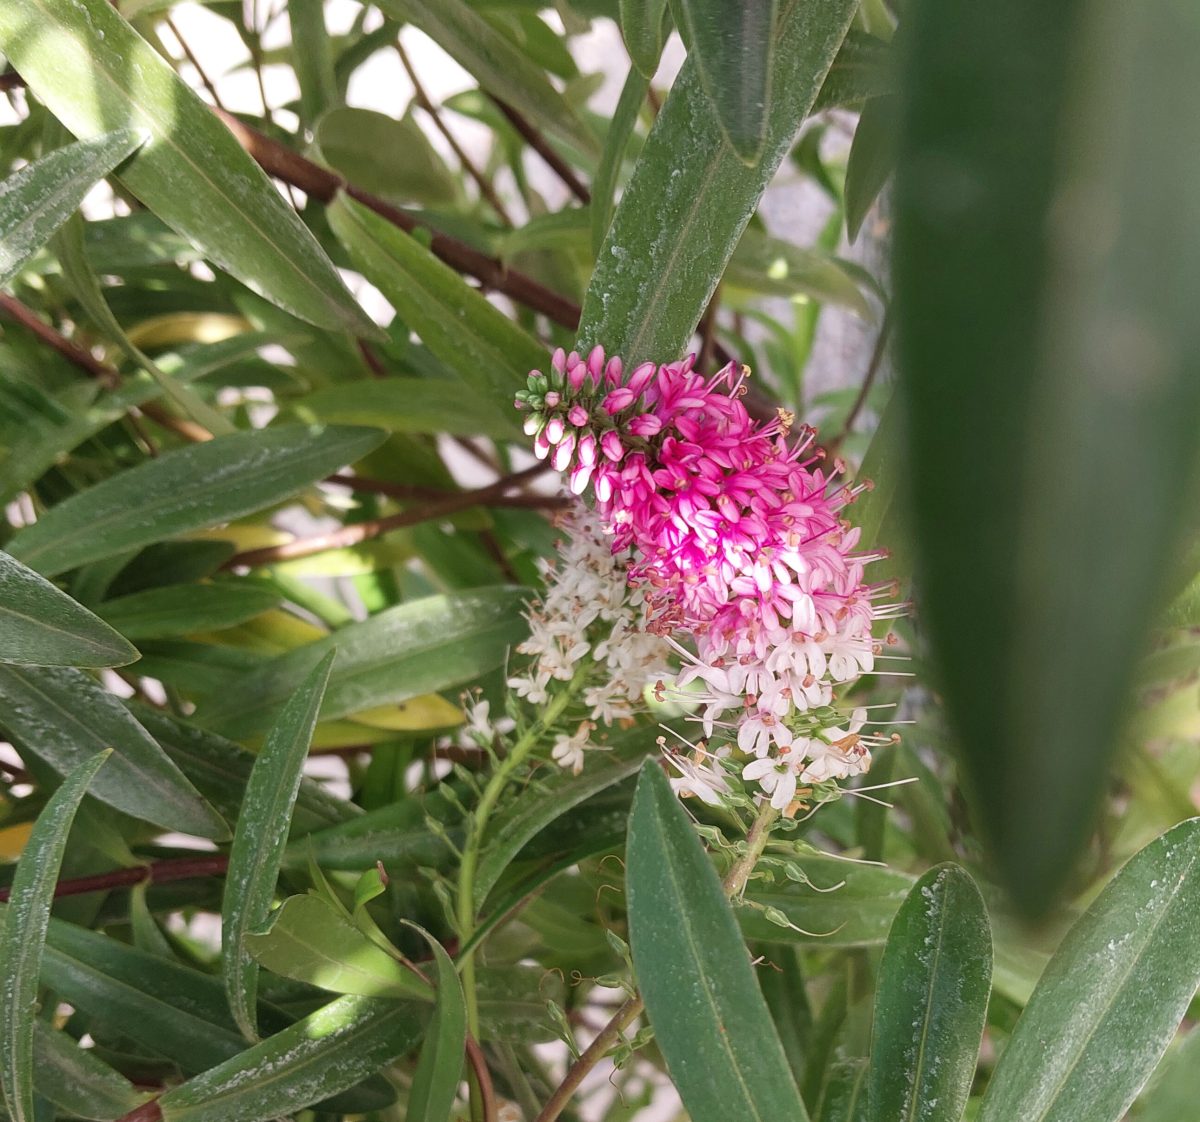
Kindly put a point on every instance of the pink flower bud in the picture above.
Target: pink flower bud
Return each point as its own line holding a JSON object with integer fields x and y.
{"x": 576, "y": 375}
{"x": 595, "y": 364}
{"x": 559, "y": 360}
{"x": 578, "y": 416}
{"x": 603, "y": 486}
{"x": 541, "y": 446}
{"x": 554, "y": 430}
{"x": 532, "y": 423}
{"x": 619, "y": 399}
{"x": 613, "y": 371}
{"x": 552, "y": 399}
{"x": 645, "y": 424}
{"x": 579, "y": 478}
{"x": 610, "y": 445}
{"x": 562, "y": 454}
{"x": 640, "y": 378}
{"x": 587, "y": 450}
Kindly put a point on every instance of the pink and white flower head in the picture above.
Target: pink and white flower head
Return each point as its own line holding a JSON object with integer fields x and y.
{"x": 736, "y": 538}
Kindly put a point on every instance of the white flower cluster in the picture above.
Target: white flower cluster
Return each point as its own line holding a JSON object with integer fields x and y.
{"x": 588, "y": 609}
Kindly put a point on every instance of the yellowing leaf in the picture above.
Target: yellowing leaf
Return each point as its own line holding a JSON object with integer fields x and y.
{"x": 13, "y": 839}
{"x": 430, "y": 711}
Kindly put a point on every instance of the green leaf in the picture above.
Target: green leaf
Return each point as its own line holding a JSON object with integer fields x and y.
{"x": 690, "y": 197}
{"x": 409, "y": 405}
{"x": 931, "y": 1001}
{"x": 21, "y": 944}
{"x": 311, "y": 941}
{"x": 770, "y": 265}
{"x": 192, "y": 173}
{"x": 733, "y": 45}
{"x": 1042, "y": 572}
{"x": 439, "y": 1067}
{"x": 41, "y": 626}
{"x": 863, "y": 69}
{"x": 260, "y": 837}
{"x": 872, "y": 159}
{"x": 644, "y": 24}
{"x": 1112, "y": 996}
{"x": 390, "y": 158}
{"x": 76, "y": 1081}
{"x": 332, "y": 1049}
{"x": 40, "y": 197}
{"x": 846, "y": 905}
{"x": 616, "y": 141}
{"x": 1171, "y": 1094}
{"x": 63, "y": 717}
{"x": 496, "y": 63}
{"x": 471, "y": 336}
{"x": 312, "y": 55}
{"x": 710, "y": 1020}
{"x": 187, "y": 489}
{"x": 421, "y": 647}
{"x": 182, "y": 609}
{"x": 220, "y": 770}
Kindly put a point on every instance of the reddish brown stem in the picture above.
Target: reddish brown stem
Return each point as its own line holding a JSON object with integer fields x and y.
{"x": 157, "y": 872}
{"x": 147, "y": 1112}
{"x": 323, "y": 184}
{"x": 530, "y": 134}
{"x": 355, "y": 533}
{"x": 13, "y": 309}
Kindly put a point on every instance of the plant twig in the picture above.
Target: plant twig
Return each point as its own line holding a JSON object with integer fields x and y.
{"x": 322, "y": 184}
{"x": 734, "y": 884}
{"x": 486, "y": 188}
{"x": 355, "y": 533}
{"x": 205, "y": 81}
{"x": 533, "y": 137}
{"x": 156, "y": 872}
{"x": 864, "y": 391}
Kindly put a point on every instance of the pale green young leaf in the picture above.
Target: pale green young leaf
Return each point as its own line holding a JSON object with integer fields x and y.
{"x": 260, "y": 837}
{"x": 644, "y": 24}
{"x": 616, "y": 141}
{"x": 439, "y": 1067}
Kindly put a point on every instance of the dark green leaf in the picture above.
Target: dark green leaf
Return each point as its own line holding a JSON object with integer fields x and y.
{"x": 439, "y": 1068}
{"x": 332, "y": 1049}
{"x": 191, "y": 172}
{"x": 75, "y": 1080}
{"x": 643, "y": 27}
{"x": 184, "y": 609}
{"x": 616, "y": 141}
{"x": 694, "y": 972}
{"x": 312, "y": 55}
{"x": 690, "y": 197}
{"x": 1111, "y": 998}
{"x": 862, "y": 69}
{"x": 24, "y": 934}
{"x": 458, "y": 324}
{"x": 187, "y": 489}
{"x": 931, "y": 1001}
{"x": 409, "y": 405}
{"x": 41, "y": 626}
{"x": 412, "y": 649}
{"x": 871, "y": 160}
{"x": 40, "y": 197}
{"x": 259, "y": 839}
{"x": 63, "y": 717}
{"x": 1045, "y": 317}
{"x": 733, "y": 46}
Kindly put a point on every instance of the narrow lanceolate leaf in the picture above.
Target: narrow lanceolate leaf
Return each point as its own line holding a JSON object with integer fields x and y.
{"x": 41, "y": 626}
{"x": 188, "y": 489}
{"x": 616, "y": 140}
{"x": 1111, "y": 998}
{"x": 439, "y": 1068}
{"x": 183, "y": 609}
{"x": 311, "y": 941}
{"x": 470, "y": 335}
{"x": 1023, "y": 123}
{"x": 643, "y": 27}
{"x": 690, "y": 196}
{"x": 409, "y": 405}
{"x": 76, "y": 1081}
{"x": 63, "y": 717}
{"x": 332, "y": 1049}
{"x": 25, "y": 920}
{"x": 496, "y": 63}
{"x": 931, "y": 1001}
{"x": 260, "y": 837}
{"x": 190, "y": 172}
{"x": 421, "y": 647}
{"x": 694, "y": 972}
{"x": 733, "y": 45}
{"x": 39, "y": 198}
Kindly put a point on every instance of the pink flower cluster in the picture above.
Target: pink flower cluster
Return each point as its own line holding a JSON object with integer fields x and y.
{"x": 737, "y": 542}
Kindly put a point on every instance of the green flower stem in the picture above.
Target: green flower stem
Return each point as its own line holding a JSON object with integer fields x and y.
{"x": 479, "y": 822}
{"x": 734, "y": 884}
